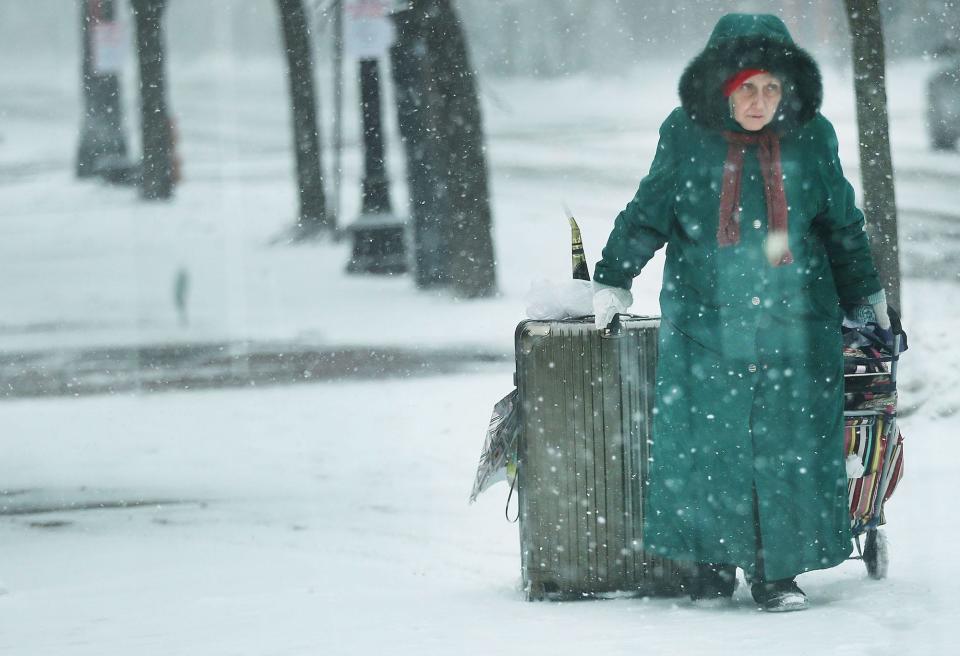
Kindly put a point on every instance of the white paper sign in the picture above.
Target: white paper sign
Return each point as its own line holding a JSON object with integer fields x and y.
{"x": 108, "y": 47}
{"x": 368, "y": 31}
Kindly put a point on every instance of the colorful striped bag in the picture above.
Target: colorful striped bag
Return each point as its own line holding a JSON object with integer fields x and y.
{"x": 878, "y": 444}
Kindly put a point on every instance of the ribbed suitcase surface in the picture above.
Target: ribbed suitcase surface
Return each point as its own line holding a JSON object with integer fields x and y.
{"x": 586, "y": 412}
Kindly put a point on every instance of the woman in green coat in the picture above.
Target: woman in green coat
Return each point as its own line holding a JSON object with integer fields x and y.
{"x": 765, "y": 248}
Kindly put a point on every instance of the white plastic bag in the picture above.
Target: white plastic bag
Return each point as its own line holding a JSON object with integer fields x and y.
{"x": 549, "y": 299}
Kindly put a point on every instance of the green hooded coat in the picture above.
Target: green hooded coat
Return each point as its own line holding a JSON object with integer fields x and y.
{"x": 748, "y": 429}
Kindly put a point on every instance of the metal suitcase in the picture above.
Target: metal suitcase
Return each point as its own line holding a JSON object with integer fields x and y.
{"x": 586, "y": 408}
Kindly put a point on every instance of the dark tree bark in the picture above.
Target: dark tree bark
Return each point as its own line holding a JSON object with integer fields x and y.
{"x": 158, "y": 156}
{"x": 876, "y": 166}
{"x": 470, "y": 245}
{"x": 418, "y": 102}
{"x": 448, "y": 148}
{"x": 306, "y": 137}
{"x": 103, "y": 146}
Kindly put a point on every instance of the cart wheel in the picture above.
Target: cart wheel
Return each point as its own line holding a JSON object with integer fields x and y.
{"x": 876, "y": 555}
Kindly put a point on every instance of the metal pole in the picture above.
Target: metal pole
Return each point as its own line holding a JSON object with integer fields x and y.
{"x": 378, "y": 235}
{"x": 376, "y": 191}
{"x": 102, "y": 150}
{"x": 337, "y": 107}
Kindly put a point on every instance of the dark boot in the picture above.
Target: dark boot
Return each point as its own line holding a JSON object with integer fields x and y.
{"x": 779, "y": 596}
{"x": 711, "y": 581}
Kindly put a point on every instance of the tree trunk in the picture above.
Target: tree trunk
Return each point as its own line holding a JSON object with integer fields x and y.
{"x": 296, "y": 37}
{"x": 876, "y": 166}
{"x": 418, "y": 102}
{"x": 470, "y": 245}
{"x": 158, "y": 174}
{"x": 441, "y": 124}
{"x": 103, "y": 146}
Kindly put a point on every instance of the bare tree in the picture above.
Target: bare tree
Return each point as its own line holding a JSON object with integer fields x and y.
{"x": 313, "y": 218}
{"x": 157, "y": 129}
{"x": 876, "y": 166}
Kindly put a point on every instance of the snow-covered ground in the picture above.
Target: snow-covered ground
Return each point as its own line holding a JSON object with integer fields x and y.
{"x": 332, "y": 518}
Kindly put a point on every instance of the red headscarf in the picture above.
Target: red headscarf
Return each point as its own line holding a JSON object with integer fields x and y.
{"x": 739, "y": 78}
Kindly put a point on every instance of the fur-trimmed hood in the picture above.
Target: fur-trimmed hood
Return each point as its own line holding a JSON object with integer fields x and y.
{"x": 751, "y": 41}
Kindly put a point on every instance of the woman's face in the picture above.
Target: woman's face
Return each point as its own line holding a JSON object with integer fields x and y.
{"x": 755, "y": 102}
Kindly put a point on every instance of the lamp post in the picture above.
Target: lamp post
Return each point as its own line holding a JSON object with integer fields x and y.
{"x": 379, "y": 244}
{"x": 102, "y": 150}
{"x": 376, "y": 188}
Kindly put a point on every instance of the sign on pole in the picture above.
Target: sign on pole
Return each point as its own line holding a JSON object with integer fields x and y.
{"x": 109, "y": 47}
{"x": 368, "y": 30}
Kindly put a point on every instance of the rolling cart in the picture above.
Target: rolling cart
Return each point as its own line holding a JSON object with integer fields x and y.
{"x": 873, "y": 443}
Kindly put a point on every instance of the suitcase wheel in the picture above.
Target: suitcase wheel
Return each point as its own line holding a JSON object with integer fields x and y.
{"x": 536, "y": 591}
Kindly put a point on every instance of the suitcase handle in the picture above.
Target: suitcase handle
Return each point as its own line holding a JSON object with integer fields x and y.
{"x": 614, "y": 329}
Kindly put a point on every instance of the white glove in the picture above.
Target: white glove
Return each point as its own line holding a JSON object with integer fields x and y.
{"x": 879, "y": 303}
{"x": 608, "y": 301}
{"x": 873, "y": 309}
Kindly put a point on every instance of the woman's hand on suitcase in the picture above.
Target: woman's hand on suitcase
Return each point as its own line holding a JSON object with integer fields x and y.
{"x": 609, "y": 301}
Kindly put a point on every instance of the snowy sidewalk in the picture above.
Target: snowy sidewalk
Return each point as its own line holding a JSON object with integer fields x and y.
{"x": 333, "y": 519}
